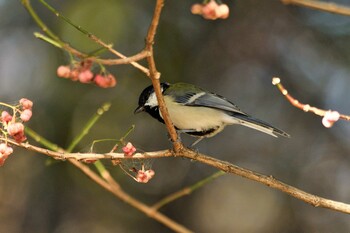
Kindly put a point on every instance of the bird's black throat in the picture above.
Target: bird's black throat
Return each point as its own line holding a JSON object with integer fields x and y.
{"x": 154, "y": 112}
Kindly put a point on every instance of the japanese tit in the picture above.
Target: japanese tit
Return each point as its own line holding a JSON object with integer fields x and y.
{"x": 199, "y": 113}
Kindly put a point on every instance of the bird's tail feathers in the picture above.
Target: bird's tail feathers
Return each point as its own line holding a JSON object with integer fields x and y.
{"x": 260, "y": 125}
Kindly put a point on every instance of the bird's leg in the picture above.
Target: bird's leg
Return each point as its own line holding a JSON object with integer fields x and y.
{"x": 178, "y": 137}
{"x": 195, "y": 142}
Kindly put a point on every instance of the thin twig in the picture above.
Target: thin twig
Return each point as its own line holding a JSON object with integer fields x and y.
{"x": 105, "y": 107}
{"x": 63, "y": 155}
{"x": 125, "y": 60}
{"x": 56, "y": 41}
{"x": 319, "y": 5}
{"x": 305, "y": 107}
{"x": 187, "y": 190}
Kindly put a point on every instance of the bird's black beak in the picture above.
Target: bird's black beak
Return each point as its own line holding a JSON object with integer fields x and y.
{"x": 139, "y": 109}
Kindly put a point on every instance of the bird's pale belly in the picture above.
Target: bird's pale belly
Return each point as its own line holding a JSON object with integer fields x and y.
{"x": 197, "y": 118}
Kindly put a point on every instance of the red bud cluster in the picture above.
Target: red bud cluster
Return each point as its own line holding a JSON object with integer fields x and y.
{"x": 82, "y": 72}
{"x": 211, "y": 10}
{"x": 11, "y": 125}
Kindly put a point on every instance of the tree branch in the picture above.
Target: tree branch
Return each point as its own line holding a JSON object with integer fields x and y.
{"x": 268, "y": 181}
{"x": 322, "y": 6}
{"x": 186, "y": 191}
{"x": 55, "y": 40}
{"x": 305, "y": 107}
{"x": 117, "y": 191}
{"x": 107, "y": 182}
{"x": 213, "y": 162}
{"x": 155, "y": 75}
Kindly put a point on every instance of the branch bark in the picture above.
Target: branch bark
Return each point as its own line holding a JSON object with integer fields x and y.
{"x": 155, "y": 76}
{"x": 118, "y": 192}
{"x": 219, "y": 164}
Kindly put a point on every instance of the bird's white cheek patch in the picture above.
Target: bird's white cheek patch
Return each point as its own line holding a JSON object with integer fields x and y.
{"x": 152, "y": 100}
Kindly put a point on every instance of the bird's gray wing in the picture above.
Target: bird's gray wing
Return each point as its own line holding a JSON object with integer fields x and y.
{"x": 190, "y": 95}
{"x": 211, "y": 100}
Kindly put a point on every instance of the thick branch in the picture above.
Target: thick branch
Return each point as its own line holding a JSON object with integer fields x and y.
{"x": 269, "y": 181}
{"x": 222, "y": 165}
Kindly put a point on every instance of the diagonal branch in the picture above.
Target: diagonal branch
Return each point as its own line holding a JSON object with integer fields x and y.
{"x": 121, "y": 194}
{"x": 268, "y": 181}
{"x": 155, "y": 75}
{"x": 107, "y": 182}
{"x": 305, "y": 107}
{"x": 56, "y": 41}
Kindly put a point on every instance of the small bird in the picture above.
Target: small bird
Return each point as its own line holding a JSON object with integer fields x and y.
{"x": 199, "y": 113}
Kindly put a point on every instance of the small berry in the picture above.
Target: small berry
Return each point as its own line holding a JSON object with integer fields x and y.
{"x": 26, "y": 103}
{"x": 16, "y": 130}
{"x": 211, "y": 10}
{"x": 105, "y": 81}
{"x": 5, "y": 151}
{"x": 222, "y": 11}
{"x": 196, "y": 9}
{"x": 26, "y": 115}
{"x": 85, "y": 76}
{"x": 5, "y": 117}
{"x": 63, "y": 71}
{"x": 330, "y": 118}
{"x": 74, "y": 75}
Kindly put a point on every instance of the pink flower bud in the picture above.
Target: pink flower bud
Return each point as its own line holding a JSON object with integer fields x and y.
{"x": 129, "y": 149}
{"x": 144, "y": 176}
{"x": 26, "y": 115}
{"x": 5, "y": 117}
{"x": 5, "y": 151}
{"x": 26, "y": 103}
{"x": 149, "y": 173}
{"x": 105, "y": 81}
{"x": 330, "y": 118}
{"x": 63, "y": 71}
{"x": 85, "y": 76}
{"x": 16, "y": 130}
{"x": 209, "y": 10}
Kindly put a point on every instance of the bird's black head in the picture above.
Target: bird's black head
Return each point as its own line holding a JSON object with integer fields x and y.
{"x": 148, "y": 101}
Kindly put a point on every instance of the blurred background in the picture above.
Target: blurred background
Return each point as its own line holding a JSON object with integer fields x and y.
{"x": 236, "y": 58}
